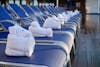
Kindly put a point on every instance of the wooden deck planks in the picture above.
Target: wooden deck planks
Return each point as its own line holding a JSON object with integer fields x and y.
{"x": 88, "y": 49}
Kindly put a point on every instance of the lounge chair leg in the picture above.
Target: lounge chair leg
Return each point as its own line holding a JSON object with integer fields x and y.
{"x": 69, "y": 62}
{"x": 74, "y": 49}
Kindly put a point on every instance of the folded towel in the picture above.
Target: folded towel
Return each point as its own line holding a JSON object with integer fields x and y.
{"x": 71, "y": 13}
{"x": 19, "y": 31}
{"x": 59, "y": 19}
{"x": 52, "y": 23}
{"x": 35, "y": 24}
{"x": 65, "y": 16}
{"x": 41, "y": 32}
{"x": 76, "y": 11}
{"x": 60, "y": 16}
{"x": 21, "y": 43}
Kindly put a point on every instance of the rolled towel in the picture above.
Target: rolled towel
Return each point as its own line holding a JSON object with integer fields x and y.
{"x": 66, "y": 16}
{"x": 18, "y": 45}
{"x": 41, "y": 32}
{"x": 54, "y": 17}
{"x": 52, "y": 23}
{"x": 13, "y": 30}
{"x": 19, "y": 31}
{"x": 70, "y": 13}
{"x": 35, "y": 24}
{"x": 60, "y": 16}
{"x": 59, "y": 19}
{"x": 76, "y": 11}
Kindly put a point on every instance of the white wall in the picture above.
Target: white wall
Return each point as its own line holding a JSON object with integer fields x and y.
{"x": 92, "y": 6}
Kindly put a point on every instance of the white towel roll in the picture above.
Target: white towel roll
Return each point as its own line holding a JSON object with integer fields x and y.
{"x": 71, "y": 13}
{"x": 12, "y": 29}
{"x": 41, "y": 32}
{"x": 76, "y": 11}
{"x": 58, "y": 19}
{"x": 66, "y": 17}
{"x": 20, "y": 43}
{"x": 19, "y": 31}
{"x": 35, "y": 24}
{"x": 52, "y": 23}
{"x": 30, "y": 49}
{"x": 13, "y": 52}
{"x": 61, "y": 18}
{"x": 54, "y": 17}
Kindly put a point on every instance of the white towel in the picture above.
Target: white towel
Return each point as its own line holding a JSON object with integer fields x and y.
{"x": 76, "y": 11}
{"x": 20, "y": 42}
{"x": 35, "y": 24}
{"x": 60, "y": 16}
{"x": 41, "y": 32}
{"x": 19, "y": 31}
{"x": 71, "y": 13}
{"x": 52, "y": 23}
{"x": 59, "y": 19}
{"x": 65, "y": 16}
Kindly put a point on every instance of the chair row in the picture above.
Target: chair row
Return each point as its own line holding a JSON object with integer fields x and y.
{"x": 49, "y": 51}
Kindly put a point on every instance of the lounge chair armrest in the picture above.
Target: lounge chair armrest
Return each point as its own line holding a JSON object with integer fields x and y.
{"x": 25, "y": 18}
{"x": 9, "y": 21}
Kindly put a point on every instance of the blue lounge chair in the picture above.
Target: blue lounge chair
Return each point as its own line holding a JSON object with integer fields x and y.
{"x": 49, "y": 10}
{"x": 21, "y": 15}
{"x": 56, "y": 38}
{"x": 32, "y": 12}
{"x": 5, "y": 18}
{"x": 67, "y": 30}
{"x": 39, "y": 56}
{"x": 41, "y": 41}
{"x": 45, "y": 55}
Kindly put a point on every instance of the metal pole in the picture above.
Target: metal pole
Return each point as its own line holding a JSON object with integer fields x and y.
{"x": 57, "y": 3}
{"x": 35, "y": 2}
{"x": 98, "y": 7}
{"x": 98, "y": 23}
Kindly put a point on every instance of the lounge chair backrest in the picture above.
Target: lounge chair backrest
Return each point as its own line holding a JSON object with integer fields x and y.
{"x": 18, "y": 10}
{"x": 36, "y": 10}
{"x": 6, "y": 25}
{"x": 28, "y": 10}
{"x": 4, "y": 14}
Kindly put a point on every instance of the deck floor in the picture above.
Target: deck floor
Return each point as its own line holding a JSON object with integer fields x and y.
{"x": 88, "y": 48}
